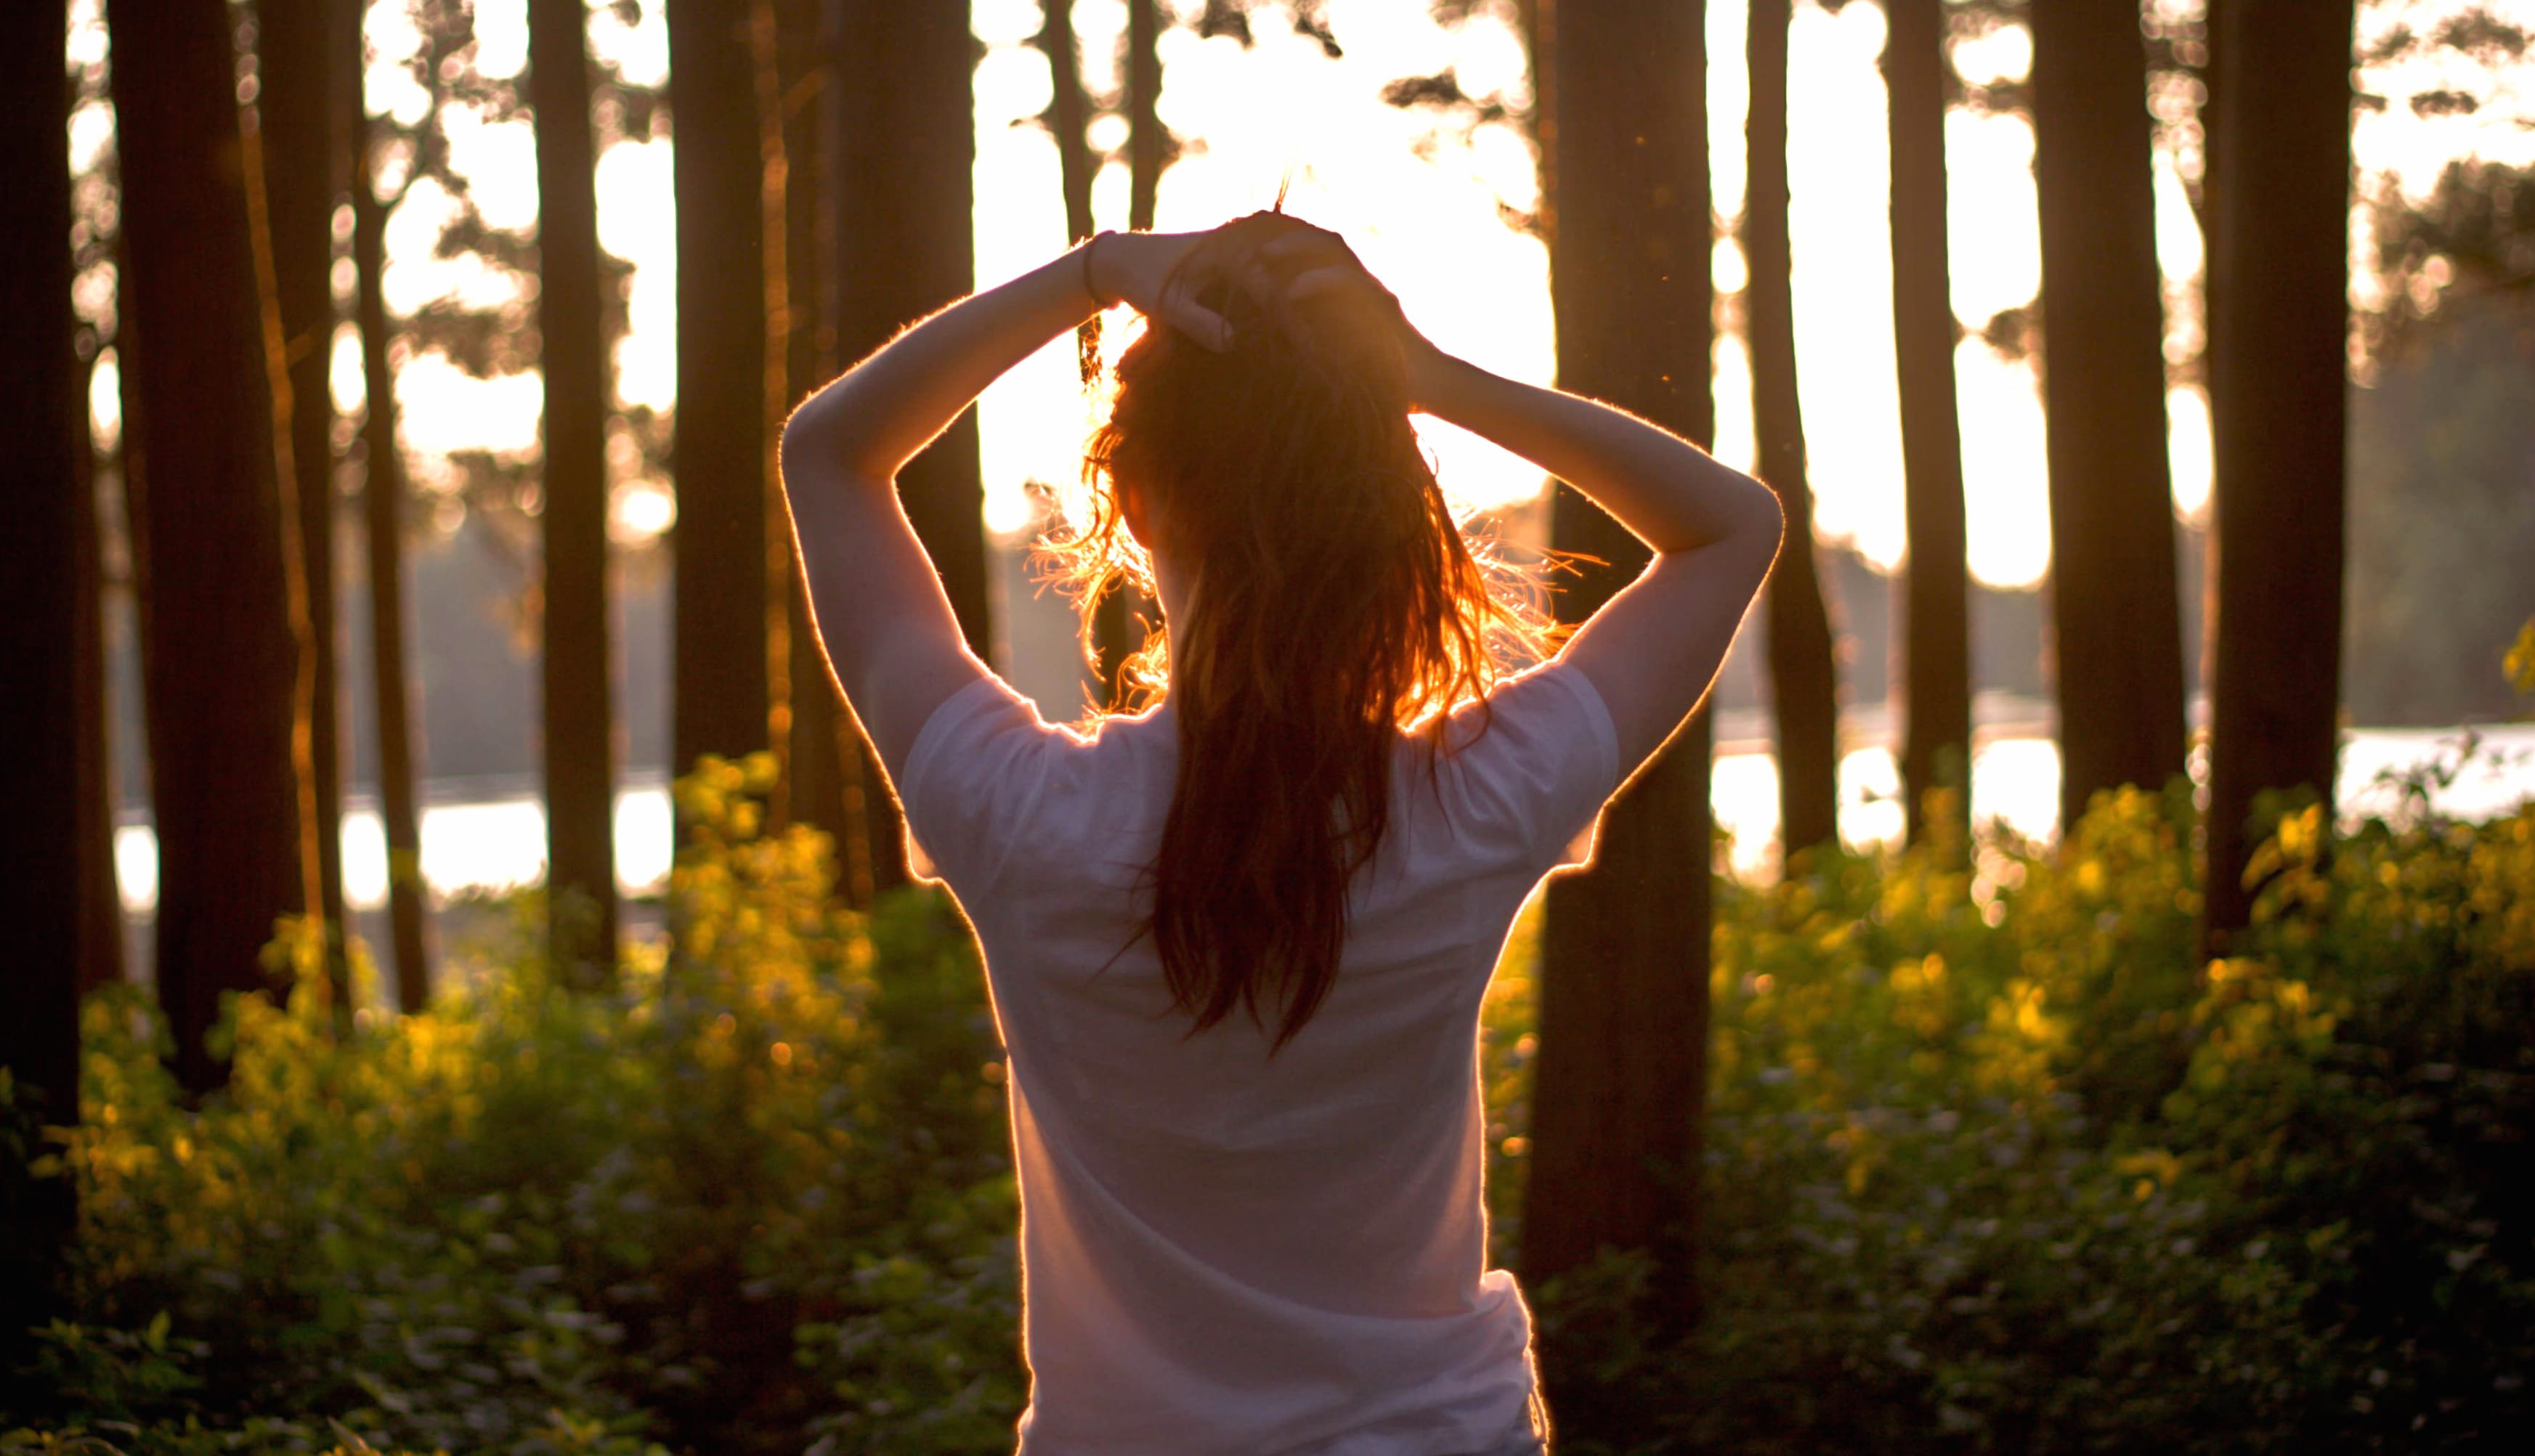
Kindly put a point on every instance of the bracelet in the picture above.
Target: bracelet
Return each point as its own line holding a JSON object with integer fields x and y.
{"x": 1089, "y": 248}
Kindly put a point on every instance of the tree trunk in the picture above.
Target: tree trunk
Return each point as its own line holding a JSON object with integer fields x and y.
{"x": 579, "y": 726}
{"x": 2279, "y": 320}
{"x": 1935, "y": 682}
{"x": 906, "y": 142}
{"x": 2116, "y": 619}
{"x": 1803, "y": 682}
{"x": 220, "y": 656}
{"x": 720, "y": 693}
{"x": 823, "y": 765}
{"x": 300, "y": 126}
{"x": 383, "y": 521}
{"x": 1069, "y": 112}
{"x": 1148, "y": 142}
{"x": 1621, "y": 1075}
{"x": 43, "y": 430}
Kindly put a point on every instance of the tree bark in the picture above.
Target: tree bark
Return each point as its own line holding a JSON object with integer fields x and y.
{"x": 2116, "y": 619}
{"x": 2279, "y": 321}
{"x": 383, "y": 524}
{"x": 1935, "y": 682}
{"x": 220, "y": 656}
{"x": 1148, "y": 142}
{"x": 904, "y": 145}
{"x": 1621, "y": 1075}
{"x": 1069, "y": 112}
{"x": 305, "y": 171}
{"x": 580, "y": 724}
{"x": 824, "y": 764}
{"x": 43, "y": 431}
{"x": 1803, "y": 682}
{"x": 720, "y": 693}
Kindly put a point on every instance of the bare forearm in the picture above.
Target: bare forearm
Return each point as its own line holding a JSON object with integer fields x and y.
{"x": 875, "y": 417}
{"x": 1674, "y": 496}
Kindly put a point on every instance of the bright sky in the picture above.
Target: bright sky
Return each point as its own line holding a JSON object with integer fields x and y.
{"x": 1420, "y": 202}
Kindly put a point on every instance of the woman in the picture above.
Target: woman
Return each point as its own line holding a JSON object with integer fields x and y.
{"x": 1236, "y": 945}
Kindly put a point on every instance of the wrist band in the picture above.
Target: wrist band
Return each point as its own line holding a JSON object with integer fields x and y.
{"x": 1089, "y": 248}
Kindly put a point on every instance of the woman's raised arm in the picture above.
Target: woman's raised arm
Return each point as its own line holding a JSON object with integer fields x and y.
{"x": 1652, "y": 649}
{"x": 886, "y": 629}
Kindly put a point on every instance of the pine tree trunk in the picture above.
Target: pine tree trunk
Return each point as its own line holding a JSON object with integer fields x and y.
{"x": 383, "y": 522}
{"x": 305, "y": 174}
{"x": 1621, "y": 1075}
{"x": 905, "y": 143}
{"x": 2279, "y": 320}
{"x": 1803, "y": 680}
{"x": 721, "y": 689}
{"x": 1934, "y": 641}
{"x": 824, "y": 766}
{"x": 220, "y": 660}
{"x": 1069, "y": 112}
{"x": 100, "y": 900}
{"x": 2116, "y": 619}
{"x": 43, "y": 432}
{"x": 580, "y": 724}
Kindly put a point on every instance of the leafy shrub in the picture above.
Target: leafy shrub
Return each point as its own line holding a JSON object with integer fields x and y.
{"x": 1996, "y": 1163}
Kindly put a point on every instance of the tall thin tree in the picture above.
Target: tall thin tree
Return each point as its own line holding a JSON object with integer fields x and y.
{"x": 905, "y": 145}
{"x": 824, "y": 764}
{"x": 2115, "y": 617}
{"x": 2279, "y": 321}
{"x": 1934, "y": 638}
{"x": 218, "y": 657}
{"x": 43, "y": 431}
{"x": 721, "y": 679}
{"x": 383, "y": 497}
{"x": 1620, "y": 1076}
{"x": 580, "y": 724}
{"x": 305, "y": 169}
{"x": 1803, "y": 682}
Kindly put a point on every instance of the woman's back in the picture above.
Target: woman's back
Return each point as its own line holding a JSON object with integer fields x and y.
{"x": 1229, "y": 1250}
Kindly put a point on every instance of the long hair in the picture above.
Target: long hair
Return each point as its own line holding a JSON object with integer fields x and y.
{"x": 1332, "y": 605}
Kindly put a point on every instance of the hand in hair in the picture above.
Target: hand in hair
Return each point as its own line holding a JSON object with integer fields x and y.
{"x": 1142, "y": 271}
{"x": 1314, "y": 270}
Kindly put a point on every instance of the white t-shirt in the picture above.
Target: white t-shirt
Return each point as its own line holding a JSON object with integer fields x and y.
{"x": 1222, "y": 1252}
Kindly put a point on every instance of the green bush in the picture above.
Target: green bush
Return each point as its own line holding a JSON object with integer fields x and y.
{"x": 1995, "y": 1165}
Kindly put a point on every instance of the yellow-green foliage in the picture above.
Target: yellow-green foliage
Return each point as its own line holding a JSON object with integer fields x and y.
{"x": 704, "y": 1203}
{"x": 1995, "y": 1163}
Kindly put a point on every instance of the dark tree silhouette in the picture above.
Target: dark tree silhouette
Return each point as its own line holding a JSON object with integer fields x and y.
{"x": 1621, "y": 1075}
{"x": 905, "y": 145}
{"x": 1803, "y": 682}
{"x": 1069, "y": 112}
{"x": 383, "y": 494}
{"x": 216, "y": 649}
{"x": 306, "y": 170}
{"x": 720, "y": 690}
{"x": 44, "y": 429}
{"x": 2116, "y": 623}
{"x": 1935, "y": 638}
{"x": 823, "y": 765}
{"x": 579, "y": 727}
{"x": 2278, "y": 353}
{"x": 1148, "y": 142}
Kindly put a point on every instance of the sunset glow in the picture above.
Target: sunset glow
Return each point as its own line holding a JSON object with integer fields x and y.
{"x": 1420, "y": 196}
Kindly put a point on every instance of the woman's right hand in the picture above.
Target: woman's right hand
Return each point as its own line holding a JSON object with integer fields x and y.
{"x": 1141, "y": 270}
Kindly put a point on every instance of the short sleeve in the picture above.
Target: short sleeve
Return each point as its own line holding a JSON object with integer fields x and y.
{"x": 975, "y": 770}
{"x": 1542, "y": 761}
